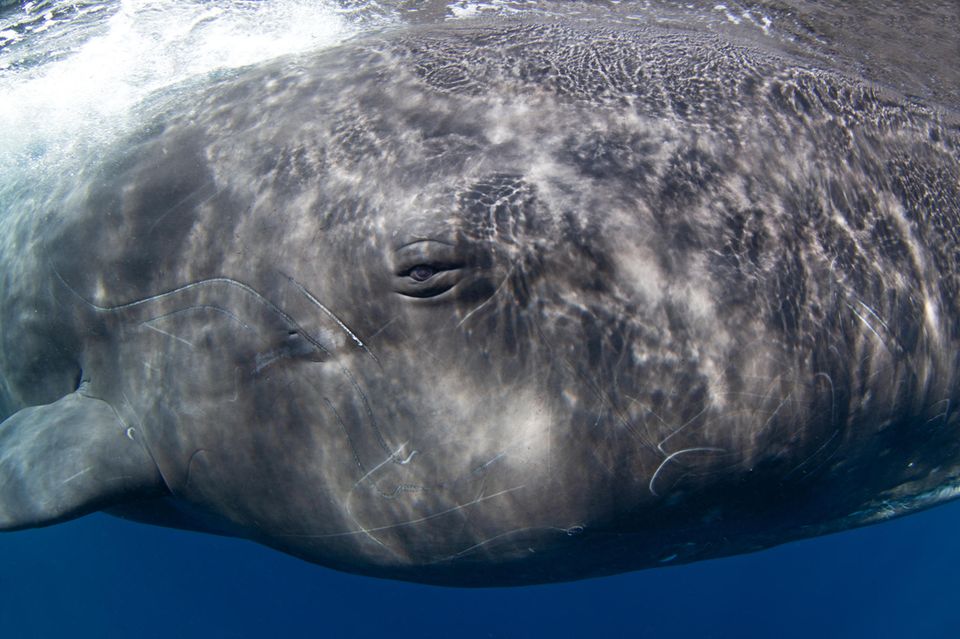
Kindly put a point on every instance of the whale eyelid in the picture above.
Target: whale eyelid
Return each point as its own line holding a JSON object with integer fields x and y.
{"x": 424, "y": 240}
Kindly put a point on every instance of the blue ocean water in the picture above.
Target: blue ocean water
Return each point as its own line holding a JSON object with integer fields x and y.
{"x": 104, "y": 577}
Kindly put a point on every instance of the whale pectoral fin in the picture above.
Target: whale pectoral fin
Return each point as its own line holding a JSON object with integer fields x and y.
{"x": 68, "y": 459}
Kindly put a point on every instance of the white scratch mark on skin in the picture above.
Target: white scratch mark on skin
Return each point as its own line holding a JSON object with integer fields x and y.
{"x": 409, "y": 522}
{"x": 944, "y": 414}
{"x": 383, "y": 328}
{"x": 813, "y": 455}
{"x": 75, "y": 475}
{"x": 489, "y": 299}
{"x": 197, "y": 285}
{"x": 777, "y": 410}
{"x": 367, "y": 532}
{"x": 671, "y": 456}
{"x": 489, "y": 540}
{"x": 482, "y": 467}
{"x": 330, "y": 313}
{"x": 143, "y": 440}
{"x": 363, "y": 530}
{"x": 521, "y": 442}
{"x": 180, "y": 289}
{"x": 874, "y": 313}
{"x": 394, "y": 456}
{"x": 162, "y": 332}
{"x": 180, "y": 203}
{"x": 266, "y": 360}
{"x": 833, "y": 398}
{"x": 204, "y": 307}
{"x": 677, "y": 431}
{"x": 869, "y": 327}
{"x": 236, "y": 385}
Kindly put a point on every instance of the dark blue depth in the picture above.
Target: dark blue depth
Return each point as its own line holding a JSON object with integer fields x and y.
{"x": 102, "y": 577}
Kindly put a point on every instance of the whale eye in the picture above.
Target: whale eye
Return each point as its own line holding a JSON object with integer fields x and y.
{"x": 421, "y": 272}
{"x": 428, "y": 280}
{"x": 426, "y": 268}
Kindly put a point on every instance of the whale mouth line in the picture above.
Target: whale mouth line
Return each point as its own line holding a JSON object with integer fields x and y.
{"x": 292, "y": 325}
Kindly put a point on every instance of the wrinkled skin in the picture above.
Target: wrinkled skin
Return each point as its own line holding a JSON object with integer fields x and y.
{"x": 505, "y": 304}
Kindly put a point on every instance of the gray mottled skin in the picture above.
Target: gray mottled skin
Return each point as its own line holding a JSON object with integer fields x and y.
{"x": 681, "y": 298}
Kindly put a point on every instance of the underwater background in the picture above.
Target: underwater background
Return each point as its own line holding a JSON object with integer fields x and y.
{"x": 104, "y": 577}
{"x": 71, "y": 75}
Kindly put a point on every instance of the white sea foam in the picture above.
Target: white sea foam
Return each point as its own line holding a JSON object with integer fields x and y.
{"x": 470, "y": 8}
{"x": 747, "y": 15}
{"x": 76, "y": 89}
